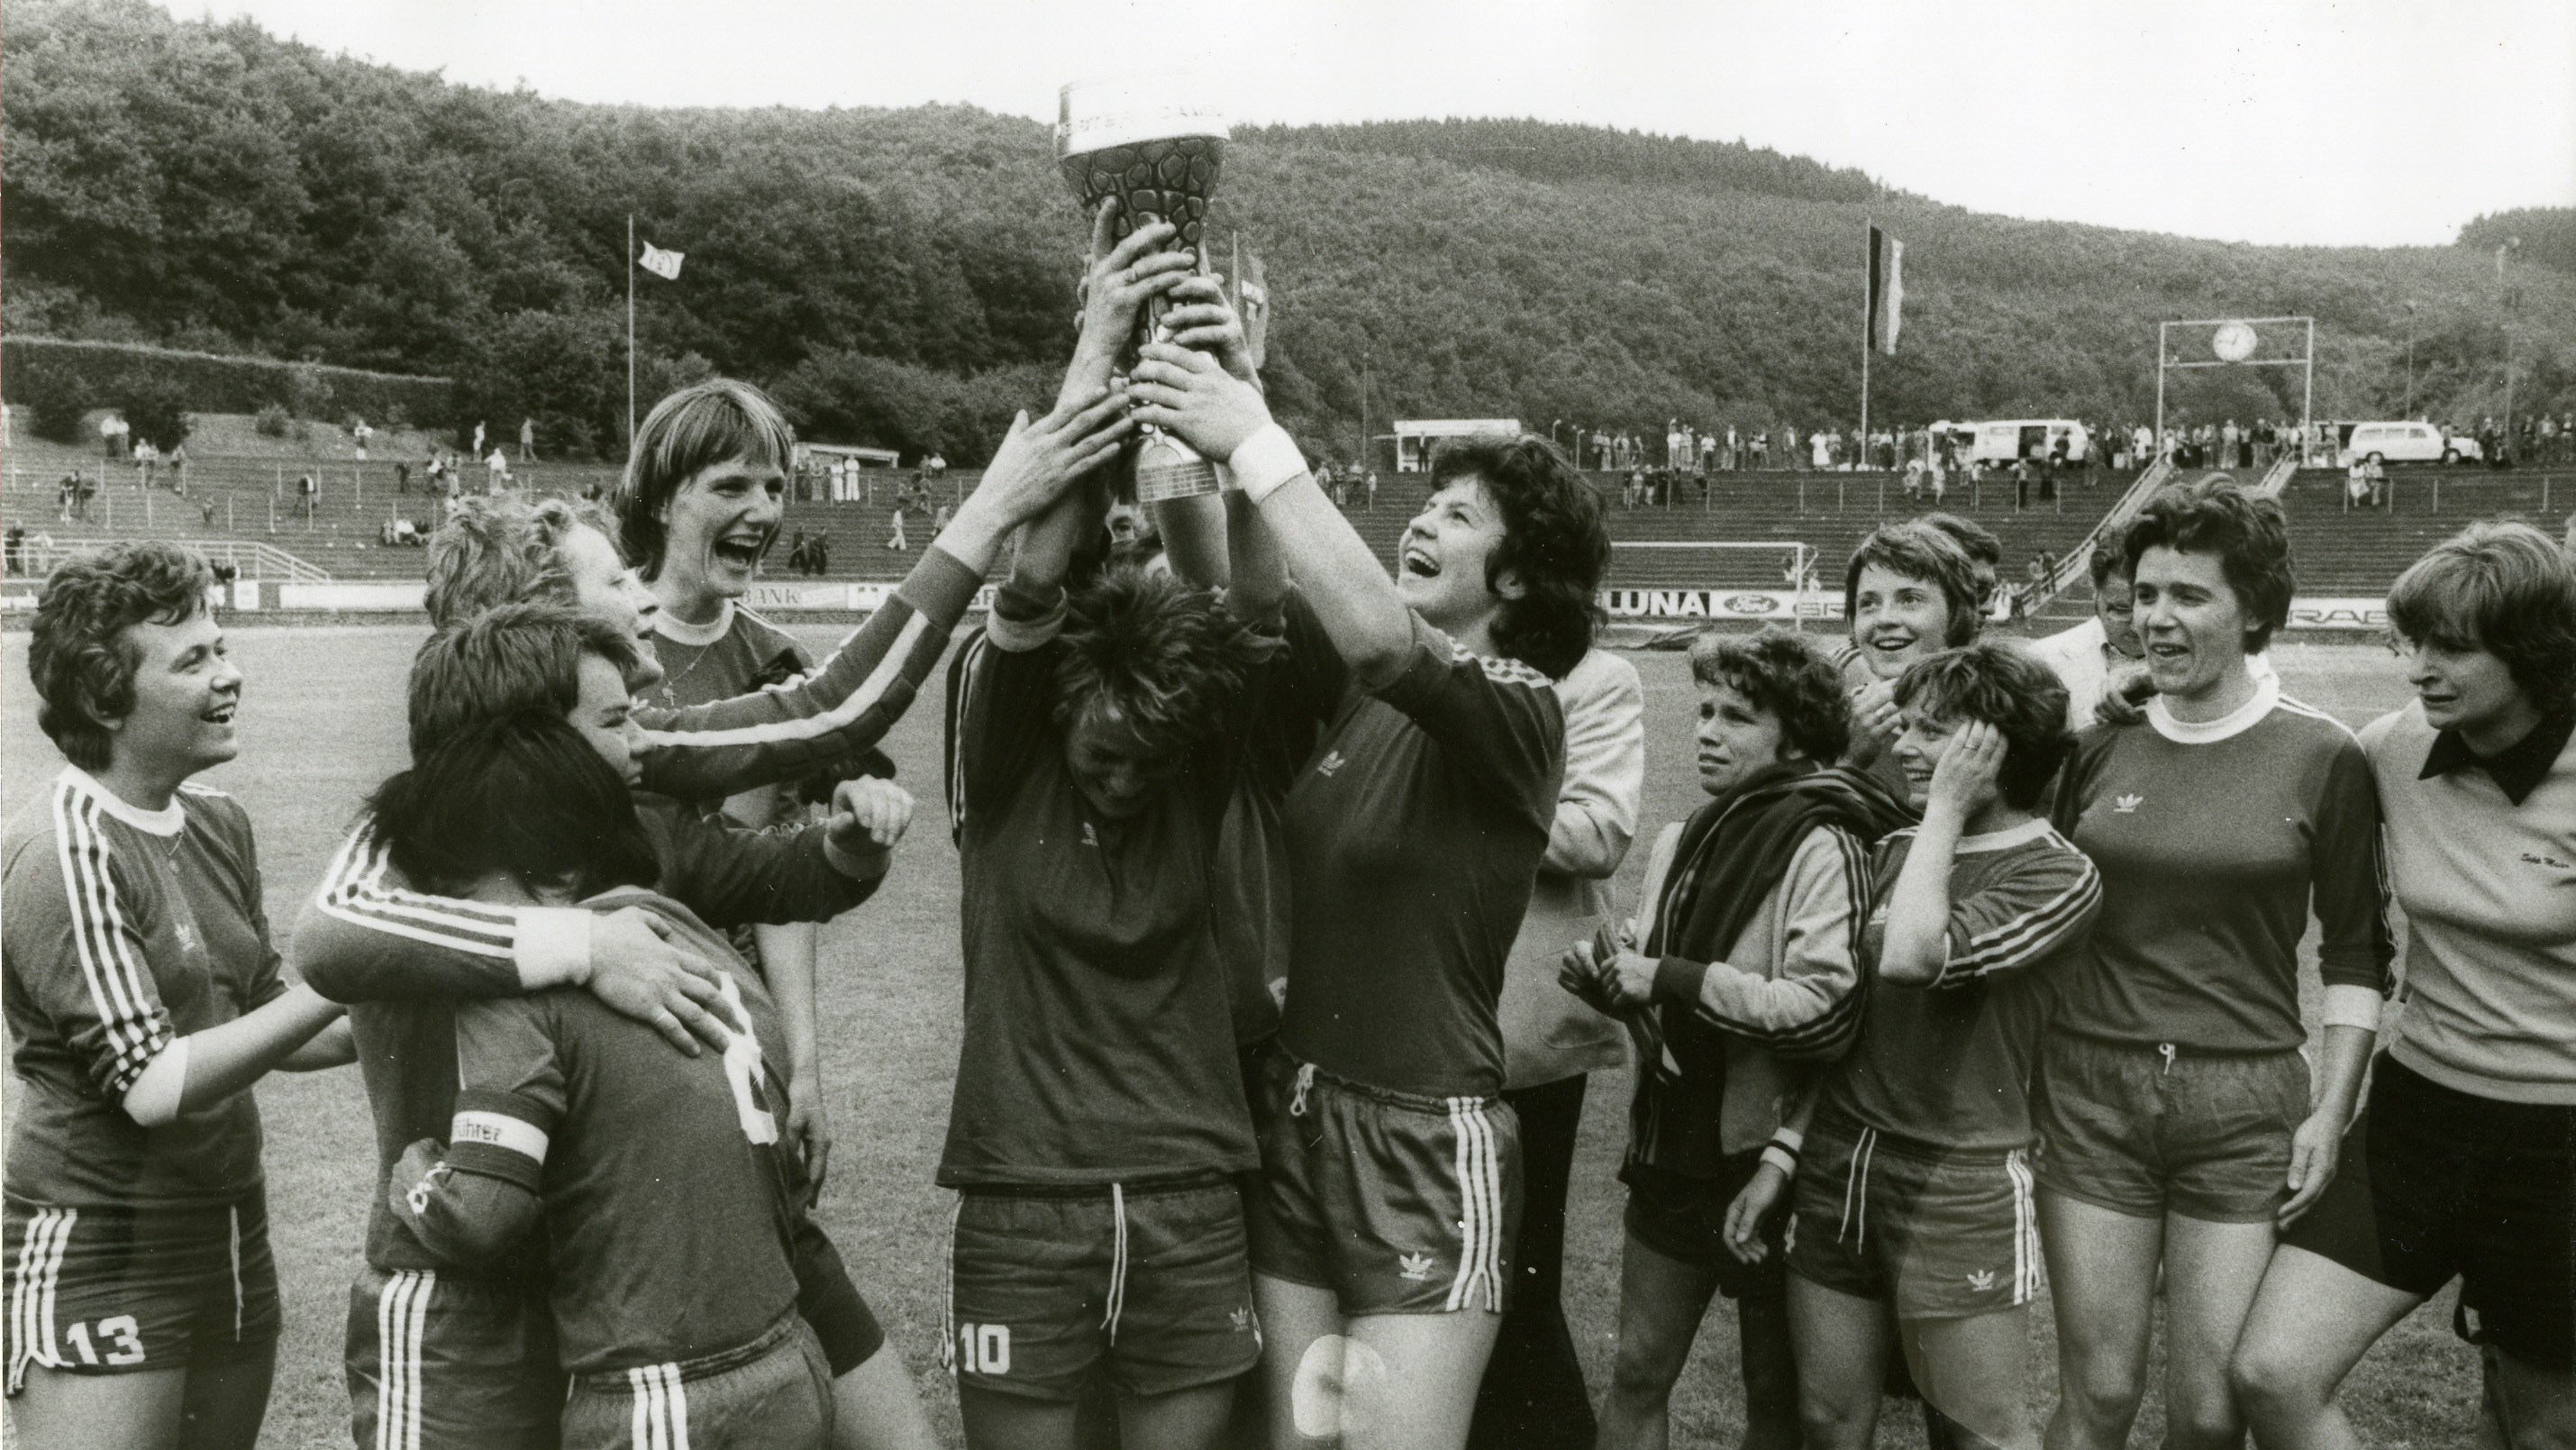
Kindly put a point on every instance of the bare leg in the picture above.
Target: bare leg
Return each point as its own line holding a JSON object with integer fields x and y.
{"x": 225, "y": 1403}
{"x": 1842, "y": 1362}
{"x": 2212, "y": 1271}
{"x": 996, "y": 1421}
{"x": 2312, "y": 1321}
{"x": 2539, "y": 1409}
{"x": 1660, "y": 1304}
{"x": 1976, "y": 1373}
{"x": 1770, "y": 1371}
{"x": 876, "y": 1407}
{"x": 1295, "y": 1319}
{"x": 100, "y": 1412}
{"x": 1420, "y": 1394}
{"x": 2102, "y": 1275}
{"x": 1190, "y": 1419}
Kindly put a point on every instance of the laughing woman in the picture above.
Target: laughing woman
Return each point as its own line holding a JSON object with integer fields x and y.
{"x": 143, "y": 1000}
{"x": 1382, "y": 1240}
{"x": 2177, "y": 1128}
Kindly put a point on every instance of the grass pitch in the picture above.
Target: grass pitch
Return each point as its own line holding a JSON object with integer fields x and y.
{"x": 322, "y": 722}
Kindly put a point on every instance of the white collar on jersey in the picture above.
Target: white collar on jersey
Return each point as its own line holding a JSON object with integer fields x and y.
{"x": 680, "y": 631}
{"x": 2267, "y": 693}
{"x": 2004, "y": 840}
{"x": 170, "y": 820}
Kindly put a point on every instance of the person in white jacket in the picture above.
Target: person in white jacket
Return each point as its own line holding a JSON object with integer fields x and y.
{"x": 1533, "y": 1394}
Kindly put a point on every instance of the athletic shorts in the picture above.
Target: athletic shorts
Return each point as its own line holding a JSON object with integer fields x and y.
{"x": 829, "y": 1303}
{"x": 121, "y": 1290}
{"x": 773, "y": 1392}
{"x": 1397, "y": 1204}
{"x": 1940, "y": 1234}
{"x": 446, "y": 1361}
{"x": 2436, "y": 1184}
{"x": 1685, "y": 1218}
{"x": 2150, "y": 1130}
{"x": 1150, "y": 1283}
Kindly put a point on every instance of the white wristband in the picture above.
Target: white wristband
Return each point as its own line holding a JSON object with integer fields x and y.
{"x": 1778, "y": 1157}
{"x": 1266, "y": 462}
{"x": 2351, "y": 1005}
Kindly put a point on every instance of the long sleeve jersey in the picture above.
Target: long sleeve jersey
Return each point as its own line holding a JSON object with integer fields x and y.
{"x": 2214, "y": 840}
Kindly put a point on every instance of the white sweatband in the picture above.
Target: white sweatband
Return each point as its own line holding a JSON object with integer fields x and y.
{"x": 1266, "y": 462}
{"x": 1778, "y": 1157}
{"x": 552, "y": 947}
{"x": 1790, "y": 1138}
{"x": 2350, "y": 1005}
{"x": 153, "y": 1101}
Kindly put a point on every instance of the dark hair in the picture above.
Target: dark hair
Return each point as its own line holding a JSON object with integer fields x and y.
{"x": 1783, "y": 672}
{"x": 507, "y": 661}
{"x": 2105, "y": 562}
{"x": 692, "y": 430}
{"x": 523, "y": 793}
{"x": 2006, "y": 686}
{"x": 1917, "y": 549}
{"x": 1974, "y": 539}
{"x": 1161, "y": 654}
{"x": 1553, "y": 538}
{"x": 2249, "y": 536}
{"x": 78, "y": 656}
{"x": 2499, "y": 587}
{"x": 504, "y": 550}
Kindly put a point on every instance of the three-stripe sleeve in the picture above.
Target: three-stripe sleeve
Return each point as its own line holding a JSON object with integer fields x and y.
{"x": 88, "y": 970}
{"x": 366, "y": 936}
{"x": 2022, "y": 918}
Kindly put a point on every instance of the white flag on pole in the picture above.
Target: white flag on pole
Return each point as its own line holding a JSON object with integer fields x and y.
{"x": 662, "y": 264}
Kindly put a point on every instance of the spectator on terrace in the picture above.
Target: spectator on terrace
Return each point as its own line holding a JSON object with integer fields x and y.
{"x": 527, "y": 440}
{"x": 498, "y": 464}
{"x": 359, "y": 431}
{"x": 112, "y": 435}
{"x": 147, "y": 461}
{"x": 308, "y": 490}
{"x": 178, "y": 463}
{"x": 2023, "y": 477}
{"x": 402, "y": 476}
{"x": 1372, "y": 490}
{"x": 11, "y": 544}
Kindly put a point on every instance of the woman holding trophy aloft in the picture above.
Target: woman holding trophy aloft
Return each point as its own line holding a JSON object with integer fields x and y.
{"x": 1381, "y": 1240}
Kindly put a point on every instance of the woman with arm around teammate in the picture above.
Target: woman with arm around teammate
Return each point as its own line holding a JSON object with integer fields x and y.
{"x": 143, "y": 999}
{"x": 1382, "y": 1241}
{"x": 2177, "y": 1130}
{"x": 2464, "y": 1165}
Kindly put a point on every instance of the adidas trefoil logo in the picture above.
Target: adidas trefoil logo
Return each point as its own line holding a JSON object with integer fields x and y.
{"x": 1416, "y": 1267}
{"x": 1242, "y": 1318}
{"x": 1982, "y": 1280}
{"x": 1090, "y": 837}
{"x": 2127, "y": 805}
{"x": 1331, "y": 762}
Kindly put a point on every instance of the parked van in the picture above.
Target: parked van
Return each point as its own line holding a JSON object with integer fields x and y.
{"x": 2403, "y": 443}
{"x": 2032, "y": 438}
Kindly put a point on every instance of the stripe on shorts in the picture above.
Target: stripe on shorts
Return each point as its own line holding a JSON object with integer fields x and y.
{"x": 2025, "y": 1229}
{"x": 31, "y": 1295}
{"x": 661, "y": 1408}
{"x": 402, "y": 1314}
{"x": 1480, "y": 1207}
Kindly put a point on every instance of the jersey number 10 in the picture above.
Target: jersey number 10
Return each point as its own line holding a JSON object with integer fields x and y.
{"x": 984, "y": 1348}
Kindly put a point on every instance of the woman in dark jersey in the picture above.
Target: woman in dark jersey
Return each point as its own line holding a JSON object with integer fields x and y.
{"x": 1382, "y": 1240}
{"x": 2177, "y": 1126}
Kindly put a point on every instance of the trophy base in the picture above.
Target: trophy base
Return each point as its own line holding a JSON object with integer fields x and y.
{"x": 1167, "y": 468}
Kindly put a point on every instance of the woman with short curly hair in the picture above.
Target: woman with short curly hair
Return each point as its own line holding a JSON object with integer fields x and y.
{"x": 1415, "y": 828}
{"x": 143, "y": 1001}
{"x": 1737, "y": 976}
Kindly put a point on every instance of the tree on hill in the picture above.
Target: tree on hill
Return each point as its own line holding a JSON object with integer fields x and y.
{"x": 907, "y": 277}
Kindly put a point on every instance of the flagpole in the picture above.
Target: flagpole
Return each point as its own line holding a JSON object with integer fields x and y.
{"x": 630, "y": 332}
{"x": 1868, "y": 300}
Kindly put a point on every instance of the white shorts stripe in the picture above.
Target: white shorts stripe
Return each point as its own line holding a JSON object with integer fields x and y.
{"x": 2025, "y": 1229}
{"x": 1480, "y": 1202}
{"x": 233, "y": 1245}
{"x": 31, "y": 1297}
{"x": 402, "y": 1315}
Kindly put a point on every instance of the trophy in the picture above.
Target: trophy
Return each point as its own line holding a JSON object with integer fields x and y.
{"x": 1155, "y": 152}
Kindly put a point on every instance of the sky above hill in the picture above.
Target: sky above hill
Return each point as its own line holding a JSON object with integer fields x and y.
{"x": 2365, "y": 122}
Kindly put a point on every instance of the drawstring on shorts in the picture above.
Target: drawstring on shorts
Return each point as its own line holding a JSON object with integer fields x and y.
{"x": 1117, "y": 1260}
{"x": 1856, "y": 1187}
{"x": 2166, "y": 1050}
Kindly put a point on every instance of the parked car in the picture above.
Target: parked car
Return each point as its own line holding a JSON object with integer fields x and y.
{"x": 2405, "y": 443}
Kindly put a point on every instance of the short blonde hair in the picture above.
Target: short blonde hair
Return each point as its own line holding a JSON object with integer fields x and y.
{"x": 504, "y": 550}
{"x": 692, "y": 430}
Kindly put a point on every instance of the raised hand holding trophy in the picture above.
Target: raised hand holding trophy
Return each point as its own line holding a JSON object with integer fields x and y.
{"x": 1154, "y": 154}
